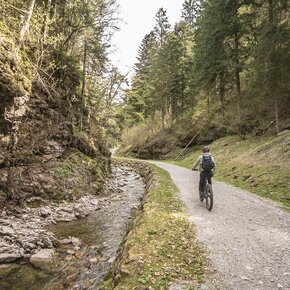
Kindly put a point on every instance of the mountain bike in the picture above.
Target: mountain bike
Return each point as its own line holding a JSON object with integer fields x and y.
{"x": 208, "y": 195}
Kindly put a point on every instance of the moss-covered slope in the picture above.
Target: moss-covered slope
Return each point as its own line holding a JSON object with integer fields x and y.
{"x": 42, "y": 152}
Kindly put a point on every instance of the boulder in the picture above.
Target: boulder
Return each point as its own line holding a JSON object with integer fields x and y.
{"x": 43, "y": 256}
{"x": 65, "y": 241}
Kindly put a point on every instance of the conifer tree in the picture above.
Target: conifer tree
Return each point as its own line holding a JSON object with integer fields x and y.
{"x": 190, "y": 11}
{"x": 161, "y": 30}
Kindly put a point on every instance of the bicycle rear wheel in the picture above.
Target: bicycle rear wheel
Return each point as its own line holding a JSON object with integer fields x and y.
{"x": 208, "y": 196}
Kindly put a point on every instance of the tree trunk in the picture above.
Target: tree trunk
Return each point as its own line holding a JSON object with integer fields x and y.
{"x": 172, "y": 115}
{"x": 83, "y": 85}
{"x": 43, "y": 32}
{"x": 276, "y": 113}
{"x": 26, "y": 24}
{"x": 52, "y": 10}
{"x": 208, "y": 99}
{"x": 163, "y": 117}
{"x": 238, "y": 84}
{"x": 222, "y": 92}
{"x": 271, "y": 12}
{"x": 271, "y": 70}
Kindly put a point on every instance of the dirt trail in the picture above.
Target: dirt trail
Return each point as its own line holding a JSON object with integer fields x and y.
{"x": 247, "y": 238}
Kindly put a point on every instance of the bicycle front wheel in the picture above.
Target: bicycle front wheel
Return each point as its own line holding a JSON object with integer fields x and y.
{"x": 209, "y": 196}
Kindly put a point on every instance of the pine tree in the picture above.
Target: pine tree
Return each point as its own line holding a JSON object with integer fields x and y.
{"x": 211, "y": 66}
{"x": 161, "y": 30}
{"x": 271, "y": 63}
{"x": 179, "y": 60}
{"x": 191, "y": 10}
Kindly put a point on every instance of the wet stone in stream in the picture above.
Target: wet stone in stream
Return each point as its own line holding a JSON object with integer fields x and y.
{"x": 88, "y": 245}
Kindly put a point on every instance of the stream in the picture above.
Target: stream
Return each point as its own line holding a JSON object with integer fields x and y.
{"x": 84, "y": 263}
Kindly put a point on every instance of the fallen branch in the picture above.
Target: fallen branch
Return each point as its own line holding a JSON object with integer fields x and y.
{"x": 186, "y": 146}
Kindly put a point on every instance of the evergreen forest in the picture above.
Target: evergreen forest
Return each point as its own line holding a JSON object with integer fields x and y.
{"x": 222, "y": 70}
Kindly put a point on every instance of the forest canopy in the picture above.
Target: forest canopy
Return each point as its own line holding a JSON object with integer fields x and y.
{"x": 223, "y": 69}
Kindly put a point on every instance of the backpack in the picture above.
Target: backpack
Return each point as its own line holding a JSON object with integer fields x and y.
{"x": 207, "y": 163}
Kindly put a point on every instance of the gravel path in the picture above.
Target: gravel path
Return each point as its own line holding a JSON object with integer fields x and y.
{"x": 247, "y": 238}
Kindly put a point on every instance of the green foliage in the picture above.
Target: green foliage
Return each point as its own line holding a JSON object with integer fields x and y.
{"x": 46, "y": 42}
{"x": 191, "y": 11}
{"x": 231, "y": 56}
{"x": 140, "y": 133}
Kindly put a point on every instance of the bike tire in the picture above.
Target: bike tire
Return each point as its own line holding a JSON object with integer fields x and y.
{"x": 209, "y": 196}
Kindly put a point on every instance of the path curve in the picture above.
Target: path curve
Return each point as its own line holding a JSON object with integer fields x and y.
{"x": 246, "y": 237}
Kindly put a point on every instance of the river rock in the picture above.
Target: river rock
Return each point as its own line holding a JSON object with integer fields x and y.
{"x": 43, "y": 256}
{"x": 9, "y": 257}
{"x": 9, "y": 231}
{"x": 65, "y": 241}
{"x": 29, "y": 246}
{"x": 45, "y": 212}
{"x": 76, "y": 241}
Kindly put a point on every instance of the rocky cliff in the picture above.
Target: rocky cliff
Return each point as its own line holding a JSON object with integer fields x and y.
{"x": 42, "y": 153}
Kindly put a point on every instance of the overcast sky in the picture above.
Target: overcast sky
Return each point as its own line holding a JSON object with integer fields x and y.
{"x": 138, "y": 17}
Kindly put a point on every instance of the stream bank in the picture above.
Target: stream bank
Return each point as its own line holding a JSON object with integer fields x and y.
{"x": 88, "y": 245}
{"x": 160, "y": 250}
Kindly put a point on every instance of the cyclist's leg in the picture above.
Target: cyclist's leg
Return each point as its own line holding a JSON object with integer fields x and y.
{"x": 202, "y": 181}
{"x": 209, "y": 176}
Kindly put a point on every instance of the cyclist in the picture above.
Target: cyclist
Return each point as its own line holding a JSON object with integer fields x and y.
{"x": 206, "y": 165}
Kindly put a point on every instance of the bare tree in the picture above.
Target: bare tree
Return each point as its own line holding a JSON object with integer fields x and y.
{"x": 26, "y": 23}
{"x": 83, "y": 84}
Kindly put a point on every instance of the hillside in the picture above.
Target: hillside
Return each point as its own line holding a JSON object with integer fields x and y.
{"x": 260, "y": 165}
{"x": 53, "y": 136}
{"x": 43, "y": 155}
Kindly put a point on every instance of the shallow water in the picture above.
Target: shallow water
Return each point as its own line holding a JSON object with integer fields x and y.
{"x": 101, "y": 233}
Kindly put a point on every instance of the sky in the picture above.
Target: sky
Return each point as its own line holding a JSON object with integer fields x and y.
{"x": 138, "y": 20}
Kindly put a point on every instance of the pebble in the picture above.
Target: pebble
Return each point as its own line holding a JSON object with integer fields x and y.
{"x": 65, "y": 241}
{"x": 249, "y": 268}
{"x": 4, "y": 230}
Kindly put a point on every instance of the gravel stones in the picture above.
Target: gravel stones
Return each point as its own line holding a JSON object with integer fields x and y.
{"x": 22, "y": 234}
{"x": 5, "y": 230}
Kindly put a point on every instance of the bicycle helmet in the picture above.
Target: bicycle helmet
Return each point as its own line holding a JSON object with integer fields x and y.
{"x": 205, "y": 149}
